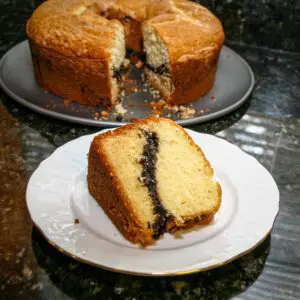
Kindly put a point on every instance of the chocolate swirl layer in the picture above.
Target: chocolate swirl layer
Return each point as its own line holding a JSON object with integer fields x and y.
{"x": 148, "y": 178}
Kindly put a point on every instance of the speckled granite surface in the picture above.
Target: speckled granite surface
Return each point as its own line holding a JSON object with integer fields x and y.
{"x": 267, "y": 127}
{"x": 267, "y": 23}
{"x": 33, "y": 269}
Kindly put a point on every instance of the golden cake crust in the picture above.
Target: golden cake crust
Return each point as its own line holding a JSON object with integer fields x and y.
{"x": 104, "y": 187}
{"x": 71, "y": 29}
{"x": 64, "y": 76}
{"x": 70, "y": 50}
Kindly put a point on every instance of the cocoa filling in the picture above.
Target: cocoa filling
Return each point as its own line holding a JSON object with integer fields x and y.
{"x": 131, "y": 53}
{"x": 148, "y": 178}
{"x": 161, "y": 70}
{"x": 118, "y": 73}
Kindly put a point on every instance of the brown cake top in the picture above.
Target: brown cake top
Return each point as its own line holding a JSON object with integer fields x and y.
{"x": 83, "y": 28}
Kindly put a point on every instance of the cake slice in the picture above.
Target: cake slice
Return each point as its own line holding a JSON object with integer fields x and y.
{"x": 150, "y": 177}
{"x": 182, "y": 51}
{"x": 76, "y": 53}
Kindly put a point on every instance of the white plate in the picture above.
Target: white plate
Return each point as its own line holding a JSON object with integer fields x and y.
{"x": 57, "y": 194}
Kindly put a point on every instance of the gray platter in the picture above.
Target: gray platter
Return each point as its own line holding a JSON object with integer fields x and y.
{"x": 233, "y": 85}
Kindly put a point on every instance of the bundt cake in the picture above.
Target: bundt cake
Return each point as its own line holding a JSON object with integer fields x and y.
{"x": 150, "y": 177}
{"x": 78, "y": 47}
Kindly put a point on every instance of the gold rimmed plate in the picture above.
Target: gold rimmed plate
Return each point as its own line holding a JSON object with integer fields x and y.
{"x": 57, "y": 195}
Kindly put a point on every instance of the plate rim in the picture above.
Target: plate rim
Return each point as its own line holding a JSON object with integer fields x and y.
{"x": 165, "y": 273}
{"x": 153, "y": 274}
{"x": 103, "y": 123}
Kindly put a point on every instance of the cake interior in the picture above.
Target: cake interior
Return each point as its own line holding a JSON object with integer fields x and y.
{"x": 184, "y": 178}
{"x": 157, "y": 61}
{"x": 156, "y": 53}
{"x": 117, "y": 58}
{"x": 166, "y": 179}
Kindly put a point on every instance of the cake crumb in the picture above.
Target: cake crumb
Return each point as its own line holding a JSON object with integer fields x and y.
{"x": 76, "y": 221}
{"x": 126, "y": 62}
{"x": 158, "y": 107}
{"x": 104, "y": 113}
{"x": 120, "y": 109}
{"x": 186, "y": 112}
{"x": 174, "y": 108}
{"x": 139, "y": 64}
{"x": 122, "y": 93}
{"x": 66, "y": 102}
{"x": 131, "y": 89}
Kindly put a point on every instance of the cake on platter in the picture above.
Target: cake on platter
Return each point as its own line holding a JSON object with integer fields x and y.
{"x": 79, "y": 47}
{"x": 150, "y": 178}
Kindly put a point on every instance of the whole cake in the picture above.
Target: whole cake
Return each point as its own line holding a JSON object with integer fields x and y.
{"x": 78, "y": 47}
{"x": 150, "y": 177}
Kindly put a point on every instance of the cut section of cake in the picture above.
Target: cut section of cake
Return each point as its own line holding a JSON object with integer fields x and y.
{"x": 76, "y": 53}
{"x": 181, "y": 50}
{"x": 150, "y": 178}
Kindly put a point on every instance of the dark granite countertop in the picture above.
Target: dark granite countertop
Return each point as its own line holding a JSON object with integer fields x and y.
{"x": 267, "y": 127}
